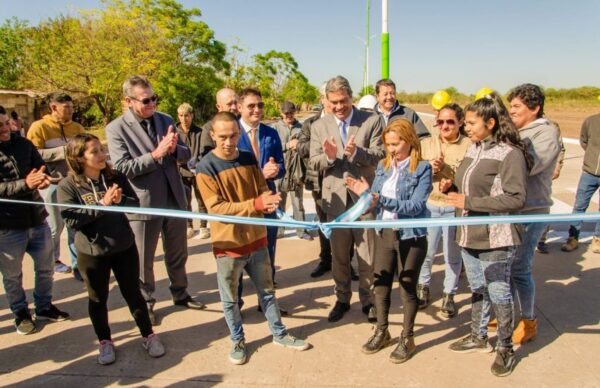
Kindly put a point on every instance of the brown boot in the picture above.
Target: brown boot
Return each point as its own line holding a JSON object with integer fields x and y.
{"x": 570, "y": 245}
{"x": 525, "y": 331}
{"x": 493, "y": 325}
{"x": 596, "y": 245}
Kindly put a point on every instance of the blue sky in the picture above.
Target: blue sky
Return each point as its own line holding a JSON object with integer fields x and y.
{"x": 433, "y": 44}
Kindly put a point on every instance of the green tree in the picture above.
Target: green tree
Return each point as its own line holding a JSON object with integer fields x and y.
{"x": 369, "y": 89}
{"x": 12, "y": 42}
{"x": 90, "y": 56}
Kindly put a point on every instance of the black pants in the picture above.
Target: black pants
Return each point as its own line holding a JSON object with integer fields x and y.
{"x": 325, "y": 254}
{"x": 191, "y": 184}
{"x": 406, "y": 257}
{"x": 96, "y": 274}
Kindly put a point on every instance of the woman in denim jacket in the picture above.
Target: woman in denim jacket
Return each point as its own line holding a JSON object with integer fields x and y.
{"x": 400, "y": 190}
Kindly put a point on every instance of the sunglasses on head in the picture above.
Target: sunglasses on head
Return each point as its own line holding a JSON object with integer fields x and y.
{"x": 259, "y": 105}
{"x": 147, "y": 100}
{"x": 439, "y": 123}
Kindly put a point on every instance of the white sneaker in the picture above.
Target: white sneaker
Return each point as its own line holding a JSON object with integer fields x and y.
{"x": 107, "y": 353}
{"x": 153, "y": 345}
{"x": 190, "y": 232}
{"x": 204, "y": 233}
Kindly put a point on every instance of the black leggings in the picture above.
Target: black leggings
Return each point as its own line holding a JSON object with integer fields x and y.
{"x": 406, "y": 257}
{"x": 95, "y": 271}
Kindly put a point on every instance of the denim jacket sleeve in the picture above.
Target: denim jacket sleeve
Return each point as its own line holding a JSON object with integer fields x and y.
{"x": 418, "y": 198}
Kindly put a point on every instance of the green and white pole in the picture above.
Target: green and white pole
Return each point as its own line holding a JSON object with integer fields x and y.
{"x": 385, "y": 41}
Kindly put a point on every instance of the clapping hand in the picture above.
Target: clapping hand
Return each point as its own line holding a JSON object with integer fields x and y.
{"x": 456, "y": 200}
{"x": 330, "y": 148}
{"x": 445, "y": 185}
{"x": 438, "y": 163}
{"x": 270, "y": 201}
{"x": 356, "y": 186}
{"x": 350, "y": 148}
{"x": 167, "y": 145}
{"x": 113, "y": 195}
{"x": 37, "y": 179}
{"x": 271, "y": 169}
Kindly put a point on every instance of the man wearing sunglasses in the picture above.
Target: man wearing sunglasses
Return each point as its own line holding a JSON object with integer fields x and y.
{"x": 263, "y": 141}
{"x": 144, "y": 145}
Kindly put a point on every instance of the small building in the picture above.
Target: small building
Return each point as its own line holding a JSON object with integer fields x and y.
{"x": 28, "y": 104}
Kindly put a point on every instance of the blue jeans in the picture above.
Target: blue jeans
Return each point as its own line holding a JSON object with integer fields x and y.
{"x": 522, "y": 282}
{"x": 14, "y": 243}
{"x": 588, "y": 184}
{"x": 56, "y": 226}
{"x": 452, "y": 258}
{"x": 488, "y": 272}
{"x": 257, "y": 266}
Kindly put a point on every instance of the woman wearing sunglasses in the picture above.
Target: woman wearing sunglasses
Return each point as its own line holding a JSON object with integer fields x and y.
{"x": 444, "y": 151}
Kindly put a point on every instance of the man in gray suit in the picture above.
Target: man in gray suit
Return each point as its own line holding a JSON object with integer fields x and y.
{"x": 144, "y": 145}
{"x": 348, "y": 141}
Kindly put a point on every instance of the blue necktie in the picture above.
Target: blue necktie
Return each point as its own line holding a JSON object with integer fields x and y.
{"x": 343, "y": 132}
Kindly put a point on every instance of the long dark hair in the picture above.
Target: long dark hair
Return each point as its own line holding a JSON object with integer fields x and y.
{"x": 74, "y": 155}
{"x": 504, "y": 131}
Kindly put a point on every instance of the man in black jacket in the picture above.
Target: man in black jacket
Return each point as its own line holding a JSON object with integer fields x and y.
{"x": 23, "y": 229}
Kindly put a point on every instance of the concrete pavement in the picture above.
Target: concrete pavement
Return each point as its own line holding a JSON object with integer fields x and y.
{"x": 64, "y": 353}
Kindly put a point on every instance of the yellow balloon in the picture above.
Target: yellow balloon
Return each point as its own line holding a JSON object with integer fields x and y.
{"x": 483, "y": 92}
{"x": 439, "y": 99}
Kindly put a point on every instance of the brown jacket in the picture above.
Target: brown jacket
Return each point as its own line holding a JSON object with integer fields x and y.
{"x": 454, "y": 153}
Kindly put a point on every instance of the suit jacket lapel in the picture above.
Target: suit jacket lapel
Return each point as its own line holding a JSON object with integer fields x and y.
{"x": 137, "y": 130}
{"x": 354, "y": 123}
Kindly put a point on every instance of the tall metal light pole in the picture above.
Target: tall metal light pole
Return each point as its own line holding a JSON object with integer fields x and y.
{"x": 385, "y": 41}
{"x": 367, "y": 40}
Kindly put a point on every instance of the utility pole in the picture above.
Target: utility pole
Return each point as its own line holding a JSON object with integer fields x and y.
{"x": 367, "y": 41}
{"x": 385, "y": 41}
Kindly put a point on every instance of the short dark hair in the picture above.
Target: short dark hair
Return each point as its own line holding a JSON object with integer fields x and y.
{"x": 227, "y": 117}
{"x": 2, "y": 110}
{"x": 14, "y": 115}
{"x": 249, "y": 92}
{"x": 531, "y": 95}
{"x": 59, "y": 97}
{"x": 384, "y": 82}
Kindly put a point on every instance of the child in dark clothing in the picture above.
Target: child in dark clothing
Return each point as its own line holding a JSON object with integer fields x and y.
{"x": 104, "y": 240}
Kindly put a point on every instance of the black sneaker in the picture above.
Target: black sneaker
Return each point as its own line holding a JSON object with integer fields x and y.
{"x": 321, "y": 270}
{"x": 542, "y": 247}
{"x": 470, "y": 344}
{"x": 405, "y": 349}
{"x": 190, "y": 303}
{"x": 379, "y": 340}
{"x": 338, "y": 311}
{"x": 422, "y": 296}
{"x": 448, "y": 306}
{"x": 23, "y": 322}
{"x": 504, "y": 363}
{"x": 51, "y": 314}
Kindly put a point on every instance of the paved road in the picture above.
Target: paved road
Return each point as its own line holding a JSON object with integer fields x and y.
{"x": 564, "y": 353}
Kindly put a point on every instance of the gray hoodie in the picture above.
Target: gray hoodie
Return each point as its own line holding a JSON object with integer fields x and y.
{"x": 541, "y": 138}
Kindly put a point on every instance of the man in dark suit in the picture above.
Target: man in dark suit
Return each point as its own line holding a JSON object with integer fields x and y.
{"x": 348, "y": 141}
{"x": 264, "y": 142}
{"x": 144, "y": 146}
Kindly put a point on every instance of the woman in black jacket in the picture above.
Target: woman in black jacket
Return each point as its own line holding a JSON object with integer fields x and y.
{"x": 104, "y": 240}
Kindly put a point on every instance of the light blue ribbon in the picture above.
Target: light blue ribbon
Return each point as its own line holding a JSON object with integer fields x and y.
{"x": 347, "y": 220}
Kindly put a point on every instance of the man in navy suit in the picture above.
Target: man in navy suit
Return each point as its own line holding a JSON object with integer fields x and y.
{"x": 264, "y": 142}
{"x": 267, "y": 148}
{"x": 144, "y": 146}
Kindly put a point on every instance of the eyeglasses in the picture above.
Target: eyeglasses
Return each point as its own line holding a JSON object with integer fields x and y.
{"x": 147, "y": 100}
{"x": 439, "y": 123}
{"x": 258, "y": 105}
